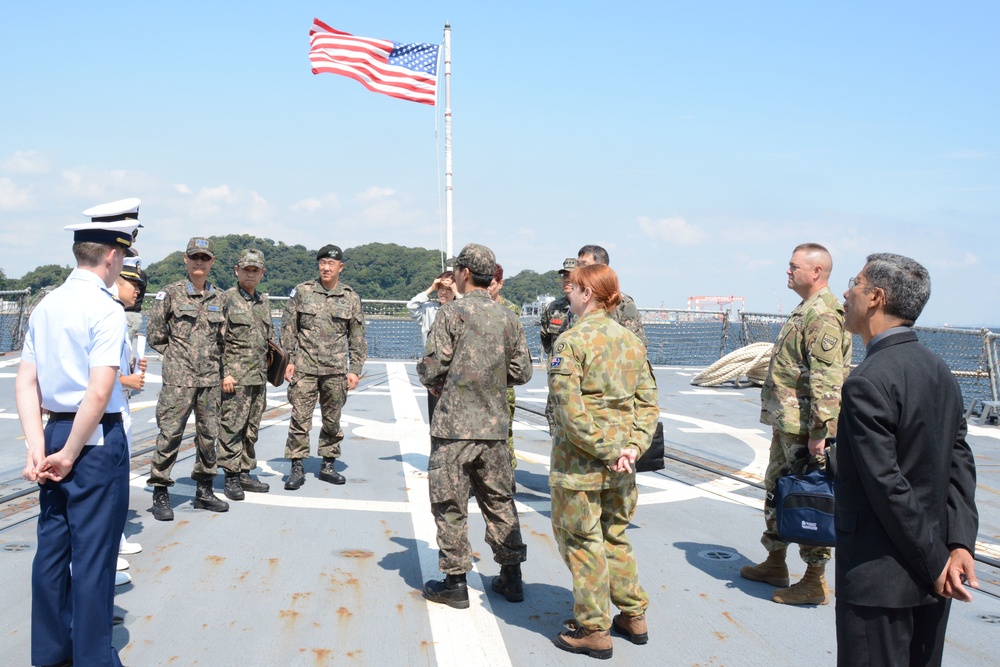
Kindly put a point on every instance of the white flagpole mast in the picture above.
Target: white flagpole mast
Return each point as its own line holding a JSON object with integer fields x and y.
{"x": 449, "y": 229}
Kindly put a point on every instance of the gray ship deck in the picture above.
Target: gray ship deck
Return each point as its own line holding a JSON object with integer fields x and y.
{"x": 332, "y": 574}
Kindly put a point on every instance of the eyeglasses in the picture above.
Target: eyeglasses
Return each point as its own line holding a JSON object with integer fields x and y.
{"x": 852, "y": 282}
{"x": 200, "y": 258}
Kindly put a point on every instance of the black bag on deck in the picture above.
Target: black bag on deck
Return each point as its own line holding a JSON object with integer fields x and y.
{"x": 277, "y": 362}
{"x": 804, "y": 505}
{"x": 653, "y": 458}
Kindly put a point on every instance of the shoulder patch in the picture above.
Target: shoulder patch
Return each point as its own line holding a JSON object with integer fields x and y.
{"x": 160, "y": 296}
{"x": 556, "y": 362}
{"x": 555, "y": 321}
{"x": 560, "y": 347}
{"x": 826, "y": 347}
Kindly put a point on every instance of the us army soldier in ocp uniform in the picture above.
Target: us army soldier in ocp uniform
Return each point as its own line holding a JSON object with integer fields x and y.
{"x": 553, "y": 318}
{"x": 323, "y": 331}
{"x": 474, "y": 350}
{"x": 801, "y": 401}
{"x": 244, "y": 375}
{"x": 185, "y": 326}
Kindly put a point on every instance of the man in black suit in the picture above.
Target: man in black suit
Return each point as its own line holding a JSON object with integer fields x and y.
{"x": 905, "y": 479}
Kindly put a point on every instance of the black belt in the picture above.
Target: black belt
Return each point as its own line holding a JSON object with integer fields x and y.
{"x": 108, "y": 418}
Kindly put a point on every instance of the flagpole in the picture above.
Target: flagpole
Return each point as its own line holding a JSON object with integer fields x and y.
{"x": 449, "y": 228}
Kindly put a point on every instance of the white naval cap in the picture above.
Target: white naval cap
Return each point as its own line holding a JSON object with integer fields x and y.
{"x": 123, "y": 209}
{"x": 113, "y": 223}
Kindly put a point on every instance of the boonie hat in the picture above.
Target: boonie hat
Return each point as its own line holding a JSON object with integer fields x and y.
{"x": 477, "y": 258}
{"x": 568, "y": 265}
{"x": 251, "y": 257}
{"x": 330, "y": 251}
{"x": 200, "y": 245}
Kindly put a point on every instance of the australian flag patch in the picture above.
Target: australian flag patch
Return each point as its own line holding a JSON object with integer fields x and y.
{"x": 556, "y": 362}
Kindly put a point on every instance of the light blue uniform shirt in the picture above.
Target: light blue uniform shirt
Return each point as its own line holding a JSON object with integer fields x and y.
{"x": 75, "y": 328}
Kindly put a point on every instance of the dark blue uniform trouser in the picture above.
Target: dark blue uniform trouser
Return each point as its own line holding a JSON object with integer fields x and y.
{"x": 81, "y": 521}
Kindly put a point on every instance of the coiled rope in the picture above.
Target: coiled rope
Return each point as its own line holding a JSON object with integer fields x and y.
{"x": 751, "y": 361}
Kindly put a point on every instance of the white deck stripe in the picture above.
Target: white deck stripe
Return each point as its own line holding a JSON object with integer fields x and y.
{"x": 461, "y": 637}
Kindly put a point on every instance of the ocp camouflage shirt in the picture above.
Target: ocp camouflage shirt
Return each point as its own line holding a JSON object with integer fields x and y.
{"x": 605, "y": 399}
{"x": 323, "y": 330}
{"x": 626, "y": 314}
{"x": 186, "y": 328}
{"x": 244, "y": 339}
{"x": 551, "y": 324}
{"x": 474, "y": 350}
{"x": 810, "y": 362}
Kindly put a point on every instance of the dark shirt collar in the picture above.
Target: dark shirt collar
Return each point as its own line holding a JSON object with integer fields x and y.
{"x": 255, "y": 297}
{"x": 892, "y": 331}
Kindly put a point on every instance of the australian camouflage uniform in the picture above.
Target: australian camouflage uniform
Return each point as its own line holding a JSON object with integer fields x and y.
{"x": 247, "y": 330}
{"x": 185, "y": 326}
{"x": 511, "y": 396}
{"x": 605, "y": 399}
{"x": 323, "y": 331}
{"x": 801, "y": 397}
{"x": 474, "y": 350}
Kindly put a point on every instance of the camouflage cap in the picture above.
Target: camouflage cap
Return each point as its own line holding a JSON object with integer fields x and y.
{"x": 199, "y": 245}
{"x": 251, "y": 257}
{"x": 330, "y": 251}
{"x": 477, "y": 258}
{"x": 568, "y": 265}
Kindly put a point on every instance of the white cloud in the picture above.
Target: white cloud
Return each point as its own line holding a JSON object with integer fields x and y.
{"x": 374, "y": 193}
{"x": 13, "y": 197}
{"x": 181, "y": 188}
{"x": 26, "y": 162}
{"x": 675, "y": 230}
{"x": 310, "y": 205}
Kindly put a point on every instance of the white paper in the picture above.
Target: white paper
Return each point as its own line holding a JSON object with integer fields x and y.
{"x": 140, "y": 343}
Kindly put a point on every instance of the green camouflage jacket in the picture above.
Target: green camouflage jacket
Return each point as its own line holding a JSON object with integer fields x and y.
{"x": 474, "y": 350}
{"x": 810, "y": 362}
{"x": 186, "y": 328}
{"x": 245, "y": 335}
{"x": 605, "y": 399}
{"x": 323, "y": 330}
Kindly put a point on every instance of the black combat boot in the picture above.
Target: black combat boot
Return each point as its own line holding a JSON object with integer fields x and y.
{"x": 205, "y": 498}
{"x": 162, "y": 511}
{"x": 233, "y": 490}
{"x": 297, "y": 477}
{"x": 452, "y": 591}
{"x": 328, "y": 472}
{"x": 250, "y": 483}
{"x": 509, "y": 583}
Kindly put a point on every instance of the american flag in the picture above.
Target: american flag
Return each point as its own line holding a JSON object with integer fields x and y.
{"x": 406, "y": 71}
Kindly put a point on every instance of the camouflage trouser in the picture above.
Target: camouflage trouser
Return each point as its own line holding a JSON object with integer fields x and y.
{"x": 589, "y": 527}
{"x": 331, "y": 390}
{"x": 511, "y": 397}
{"x": 239, "y": 427}
{"x": 173, "y": 407}
{"x": 784, "y": 447}
{"x": 454, "y": 465}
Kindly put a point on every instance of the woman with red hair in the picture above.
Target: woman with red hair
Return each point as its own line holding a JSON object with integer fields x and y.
{"x": 605, "y": 414}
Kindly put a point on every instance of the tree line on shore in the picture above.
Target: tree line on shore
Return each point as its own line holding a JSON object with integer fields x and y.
{"x": 374, "y": 271}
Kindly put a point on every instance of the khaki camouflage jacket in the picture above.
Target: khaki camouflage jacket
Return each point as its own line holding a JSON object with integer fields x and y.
{"x": 552, "y": 320}
{"x": 626, "y": 314}
{"x": 808, "y": 367}
{"x": 605, "y": 399}
{"x": 186, "y": 328}
{"x": 244, "y": 338}
{"x": 322, "y": 330}
{"x": 474, "y": 350}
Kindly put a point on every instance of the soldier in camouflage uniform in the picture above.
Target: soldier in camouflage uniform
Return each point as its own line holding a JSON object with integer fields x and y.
{"x": 244, "y": 375}
{"x": 474, "y": 350}
{"x": 185, "y": 326}
{"x": 494, "y": 289}
{"x": 801, "y": 402}
{"x": 626, "y": 314}
{"x": 551, "y": 325}
{"x": 323, "y": 331}
{"x": 605, "y": 412}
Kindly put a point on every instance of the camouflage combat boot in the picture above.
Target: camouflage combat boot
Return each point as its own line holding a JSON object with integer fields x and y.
{"x": 772, "y": 571}
{"x": 811, "y": 589}
{"x": 328, "y": 472}
{"x": 250, "y": 483}
{"x": 632, "y": 628}
{"x": 232, "y": 489}
{"x": 452, "y": 591}
{"x": 162, "y": 511}
{"x": 297, "y": 477}
{"x": 509, "y": 583}
{"x": 595, "y": 643}
{"x": 205, "y": 498}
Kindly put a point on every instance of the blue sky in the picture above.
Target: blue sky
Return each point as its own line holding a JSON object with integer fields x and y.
{"x": 698, "y": 142}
